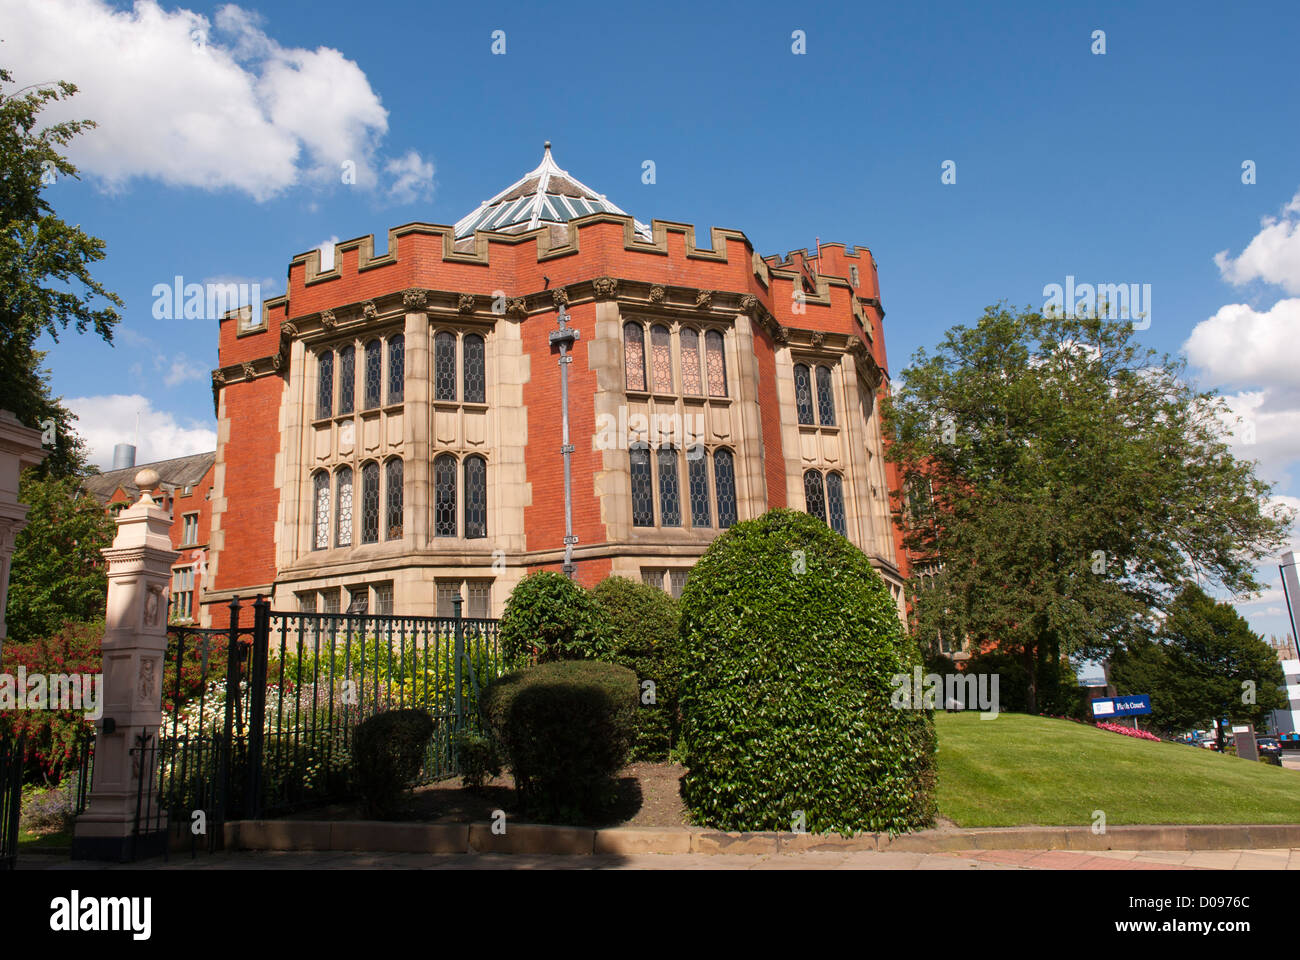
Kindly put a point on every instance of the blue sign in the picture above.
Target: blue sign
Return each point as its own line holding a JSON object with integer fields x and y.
{"x": 1121, "y": 706}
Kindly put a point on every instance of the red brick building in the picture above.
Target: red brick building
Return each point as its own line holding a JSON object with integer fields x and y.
{"x": 390, "y": 430}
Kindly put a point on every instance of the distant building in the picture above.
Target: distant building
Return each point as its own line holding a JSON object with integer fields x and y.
{"x": 185, "y": 490}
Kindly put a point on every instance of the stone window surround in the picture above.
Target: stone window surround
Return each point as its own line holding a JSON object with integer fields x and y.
{"x": 332, "y": 471}
{"x": 647, "y": 319}
{"x": 358, "y": 340}
{"x": 687, "y": 526}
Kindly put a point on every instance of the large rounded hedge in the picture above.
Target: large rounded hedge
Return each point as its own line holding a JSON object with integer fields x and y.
{"x": 644, "y": 623}
{"x": 789, "y": 643}
{"x": 549, "y": 617}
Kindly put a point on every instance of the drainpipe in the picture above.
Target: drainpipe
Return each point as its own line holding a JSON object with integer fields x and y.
{"x": 565, "y": 337}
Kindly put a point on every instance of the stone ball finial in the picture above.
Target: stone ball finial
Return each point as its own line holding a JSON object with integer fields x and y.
{"x": 146, "y": 480}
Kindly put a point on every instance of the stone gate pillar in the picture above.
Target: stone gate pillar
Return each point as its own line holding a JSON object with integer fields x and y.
{"x": 20, "y": 447}
{"x": 135, "y": 645}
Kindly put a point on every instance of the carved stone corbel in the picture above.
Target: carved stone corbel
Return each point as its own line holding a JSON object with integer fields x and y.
{"x": 517, "y": 307}
{"x": 328, "y": 320}
{"x": 605, "y": 287}
{"x": 218, "y": 377}
{"x": 369, "y": 310}
{"x": 289, "y": 329}
{"x": 657, "y": 294}
{"x": 250, "y": 371}
{"x": 704, "y": 299}
{"x": 560, "y": 297}
{"x": 415, "y": 298}
{"x": 465, "y": 303}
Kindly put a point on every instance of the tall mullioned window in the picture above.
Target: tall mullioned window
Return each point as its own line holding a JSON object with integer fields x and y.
{"x": 825, "y": 399}
{"x": 475, "y": 498}
{"x": 724, "y": 473}
{"x": 835, "y": 504}
{"x": 374, "y": 374}
{"x": 634, "y": 355}
{"x": 444, "y": 366}
{"x": 814, "y": 494}
{"x": 803, "y": 399}
{"x": 343, "y": 525}
{"x": 475, "y": 369}
{"x": 393, "y": 489}
{"x": 370, "y": 502}
{"x": 643, "y": 503}
{"x": 396, "y": 368}
{"x": 703, "y": 371}
{"x": 325, "y": 385}
{"x": 444, "y": 495}
{"x": 321, "y": 506}
{"x": 347, "y": 378}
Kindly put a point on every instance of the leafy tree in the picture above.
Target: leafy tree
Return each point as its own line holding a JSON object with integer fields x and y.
{"x": 1206, "y": 665}
{"x": 1078, "y": 482}
{"x": 45, "y": 281}
{"x": 57, "y": 573}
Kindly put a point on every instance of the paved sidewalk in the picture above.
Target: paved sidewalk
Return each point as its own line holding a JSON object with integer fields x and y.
{"x": 1283, "y": 859}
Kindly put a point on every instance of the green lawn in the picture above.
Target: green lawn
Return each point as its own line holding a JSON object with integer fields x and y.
{"x": 1019, "y": 770}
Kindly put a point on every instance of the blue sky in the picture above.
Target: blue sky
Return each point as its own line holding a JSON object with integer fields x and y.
{"x": 222, "y": 130}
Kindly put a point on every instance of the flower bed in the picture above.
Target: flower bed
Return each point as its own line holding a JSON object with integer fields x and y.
{"x": 1128, "y": 731}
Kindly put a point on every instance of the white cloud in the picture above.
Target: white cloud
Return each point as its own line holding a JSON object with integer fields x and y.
{"x": 182, "y": 370}
{"x": 191, "y": 102}
{"x": 412, "y": 178}
{"x": 1273, "y": 255}
{"x": 1243, "y": 346}
{"x": 104, "y": 421}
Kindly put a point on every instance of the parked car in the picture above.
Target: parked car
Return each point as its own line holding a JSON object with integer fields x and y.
{"x": 1270, "y": 750}
{"x": 1210, "y": 743}
{"x": 1290, "y": 741}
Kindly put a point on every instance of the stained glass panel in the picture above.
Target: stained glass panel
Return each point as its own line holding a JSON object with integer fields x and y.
{"x": 325, "y": 385}
{"x": 691, "y": 384}
{"x": 475, "y": 498}
{"x": 370, "y": 502}
{"x": 396, "y": 368}
{"x": 347, "y": 378}
{"x": 661, "y": 347}
{"x": 814, "y": 495}
{"x": 475, "y": 372}
{"x": 444, "y": 496}
{"x": 393, "y": 484}
{"x": 835, "y": 503}
{"x": 322, "y": 501}
{"x": 343, "y": 530}
{"x": 825, "y": 399}
{"x": 634, "y": 355}
{"x": 670, "y": 499}
{"x": 444, "y": 366}
{"x": 374, "y": 373}
{"x": 717, "y": 364}
{"x": 803, "y": 393}
{"x": 698, "y": 476}
{"x": 724, "y": 479}
{"x": 643, "y": 510}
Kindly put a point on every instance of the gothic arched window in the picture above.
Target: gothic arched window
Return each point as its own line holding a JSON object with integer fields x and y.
{"x": 691, "y": 384}
{"x": 325, "y": 385}
{"x": 475, "y": 498}
{"x": 835, "y": 503}
{"x": 444, "y": 495}
{"x": 347, "y": 378}
{"x": 803, "y": 401}
{"x": 643, "y": 504}
{"x": 634, "y": 355}
{"x": 825, "y": 400}
{"x": 670, "y": 500}
{"x": 716, "y": 363}
{"x": 374, "y": 374}
{"x": 343, "y": 528}
{"x": 370, "y": 502}
{"x": 396, "y": 368}
{"x": 697, "y": 471}
{"x": 724, "y": 482}
{"x": 393, "y": 504}
{"x": 814, "y": 495}
{"x": 444, "y": 366}
{"x": 475, "y": 370}
{"x": 661, "y": 358}
{"x": 321, "y": 507}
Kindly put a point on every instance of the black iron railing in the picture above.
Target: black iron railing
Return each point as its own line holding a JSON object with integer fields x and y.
{"x": 11, "y": 786}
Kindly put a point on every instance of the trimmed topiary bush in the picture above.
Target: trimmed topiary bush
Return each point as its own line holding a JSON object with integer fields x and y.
{"x": 790, "y": 641}
{"x": 644, "y": 622}
{"x": 388, "y": 751}
{"x": 565, "y": 729}
{"x": 477, "y": 756}
{"x": 549, "y": 617}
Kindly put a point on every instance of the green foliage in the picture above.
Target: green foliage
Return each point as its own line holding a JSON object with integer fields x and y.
{"x": 58, "y": 573}
{"x": 786, "y": 687}
{"x": 45, "y": 281}
{"x": 565, "y": 728}
{"x": 388, "y": 750}
{"x": 1058, "y": 691}
{"x": 549, "y": 617}
{"x": 1195, "y": 670}
{"x": 1078, "y": 481}
{"x": 477, "y": 757}
{"x": 644, "y": 624}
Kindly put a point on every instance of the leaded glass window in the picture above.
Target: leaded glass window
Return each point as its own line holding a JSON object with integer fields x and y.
{"x": 825, "y": 399}
{"x": 343, "y": 529}
{"x": 370, "y": 502}
{"x": 670, "y": 497}
{"x": 835, "y": 503}
{"x": 374, "y": 373}
{"x": 396, "y": 368}
{"x": 475, "y": 370}
{"x": 643, "y": 505}
{"x": 697, "y": 470}
{"x": 724, "y": 482}
{"x": 393, "y": 486}
{"x": 634, "y": 355}
{"x": 814, "y": 495}
{"x": 475, "y": 498}
{"x": 479, "y": 602}
{"x": 661, "y": 357}
{"x": 677, "y": 581}
{"x": 448, "y": 590}
{"x": 444, "y": 496}
{"x": 330, "y": 601}
{"x": 691, "y": 384}
{"x": 716, "y": 363}
{"x": 803, "y": 393}
{"x": 444, "y": 366}
{"x": 384, "y": 599}
{"x": 325, "y": 385}
{"x": 321, "y": 499}
{"x": 347, "y": 378}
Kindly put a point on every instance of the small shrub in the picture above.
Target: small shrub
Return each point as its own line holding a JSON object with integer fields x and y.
{"x": 46, "y": 809}
{"x": 477, "y": 756}
{"x": 549, "y": 617}
{"x": 565, "y": 729}
{"x": 644, "y": 622}
{"x": 388, "y": 751}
